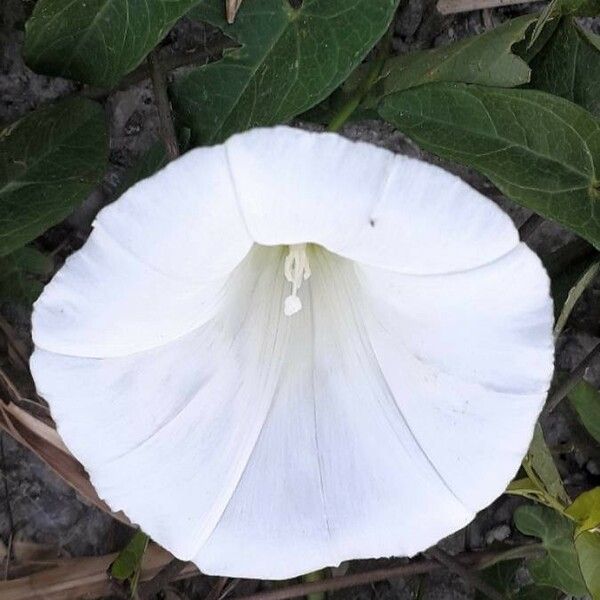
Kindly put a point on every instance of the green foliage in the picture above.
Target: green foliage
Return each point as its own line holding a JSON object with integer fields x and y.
{"x": 503, "y": 577}
{"x": 485, "y": 59}
{"x": 542, "y": 151}
{"x": 543, "y": 483}
{"x": 560, "y": 567}
{"x": 560, "y": 8}
{"x": 588, "y": 551}
{"x": 97, "y": 41}
{"x": 540, "y": 464}
{"x": 585, "y": 399}
{"x": 288, "y": 60}
{"x": 585, "y": 509}
{"x": 569, "y": 66}
{"x": 49, "y": 161}
{"x": 20, "y": 274}
{"x": 127, "y": 566}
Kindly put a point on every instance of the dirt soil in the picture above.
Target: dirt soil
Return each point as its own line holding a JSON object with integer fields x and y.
{"x": 35, "y": 505}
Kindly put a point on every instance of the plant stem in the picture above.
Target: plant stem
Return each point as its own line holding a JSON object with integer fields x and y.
{"x": 311, "y": 577}
{"x": 159, "y": 84}
{"x": 372, "y": 75}
{"x": 572, "y": 379}
{"x": 462, "y": 571}
{"x": 476, "y": 560}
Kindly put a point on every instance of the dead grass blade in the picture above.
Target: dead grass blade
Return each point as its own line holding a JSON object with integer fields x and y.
{"x": 45, "y": 443}
{"x": 82, "y": 578}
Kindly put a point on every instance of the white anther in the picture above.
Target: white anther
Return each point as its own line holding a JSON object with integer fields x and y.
{"x": 296, "y": 270}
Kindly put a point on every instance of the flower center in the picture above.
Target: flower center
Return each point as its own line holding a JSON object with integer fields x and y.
{"x": 296, "y": 269}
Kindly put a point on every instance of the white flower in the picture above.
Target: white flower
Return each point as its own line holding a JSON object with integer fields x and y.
{"x": 292, "y": 349}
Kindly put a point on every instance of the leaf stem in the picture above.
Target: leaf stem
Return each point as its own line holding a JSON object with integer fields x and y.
{"x": 371, "y": 77}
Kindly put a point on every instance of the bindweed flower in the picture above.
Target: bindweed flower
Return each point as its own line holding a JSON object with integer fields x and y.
{"x": 291, "y": 349}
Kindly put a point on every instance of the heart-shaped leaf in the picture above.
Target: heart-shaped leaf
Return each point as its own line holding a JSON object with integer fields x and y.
{"x": 287, "y": 61}
{"x": 540, "y": 150}
{"x": 49, "y": 161}
{"x": 569, "y": 66}
{"x": 97, "y": 41}
{"x": 560, "y": 567}
{"x": 588, "y": 551}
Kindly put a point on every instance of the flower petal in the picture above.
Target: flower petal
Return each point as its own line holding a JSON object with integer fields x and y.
{"x": 336, "y": 473}
{"x": 176, "y": 424}
{"x": 479, "y": 350}
{"x": 295, "y": 186}
{"x": 154, "y": 268}
{"x": 363, "y": 202}
{"x": 429, "y": 221}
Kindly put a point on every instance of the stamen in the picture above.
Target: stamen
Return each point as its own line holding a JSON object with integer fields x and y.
{"x": 296, "y": 269}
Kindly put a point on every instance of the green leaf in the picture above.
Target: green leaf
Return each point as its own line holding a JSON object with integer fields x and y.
{"x": 19, "y": 275}
{"x": 585, "y": 399}
{"x": 288, "y": 60}
{"x": 485, "y": 59}
{"x": 540, "y": 150}
{"x": 536, "y": 592}
{"x": 49, "y": 162}
{"x": 129, "y": 561}
{"x": 569, "y": 66}
{"x": 561, "y": 8}
{"x": 560, "y": 567}
{"x": 584, "y": 281}
{"x": 588, "y": 551}
{"x": 585, "y": 509}
{"x": 500, "y": 576}
{"x": 97, "y": 41}
{"x": 540, "y": 460}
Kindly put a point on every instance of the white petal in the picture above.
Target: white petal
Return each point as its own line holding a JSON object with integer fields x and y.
{"x": 336, "y": 473}
{"x": 477, "y": 353}
{"x": 166, "y": 434}
{"x": 430, "y": 221}
{"x": 373, "y": 422}
{"x": 154, "y": 268}
{"x": 296, "y": 186}
{"x": 363, "y": 202}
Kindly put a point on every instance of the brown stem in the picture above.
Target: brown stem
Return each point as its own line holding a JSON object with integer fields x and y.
{"x": 573, "y": 378}
{"x": 529, "y": 226}
{"x": 169, "y": 62}
{"x": 161, "y": 98}
{"x": 462, "y": 571}
{"x": 416, "y": 567}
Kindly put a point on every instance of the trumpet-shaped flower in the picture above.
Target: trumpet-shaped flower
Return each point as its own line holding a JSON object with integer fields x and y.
{"x": 292, "y": 349}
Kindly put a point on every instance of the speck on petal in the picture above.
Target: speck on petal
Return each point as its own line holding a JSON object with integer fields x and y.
{"x": 375, "y": 420}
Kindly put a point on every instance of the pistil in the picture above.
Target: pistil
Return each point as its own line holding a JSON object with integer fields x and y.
{"x": 296, "y": 269}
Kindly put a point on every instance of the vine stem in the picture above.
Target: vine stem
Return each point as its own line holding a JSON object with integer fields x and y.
{"x": 462, "y": 571}
{"x": 161, "y": 98}
{"x": 572, "y": 379}
{"x": 477, "y": 560}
